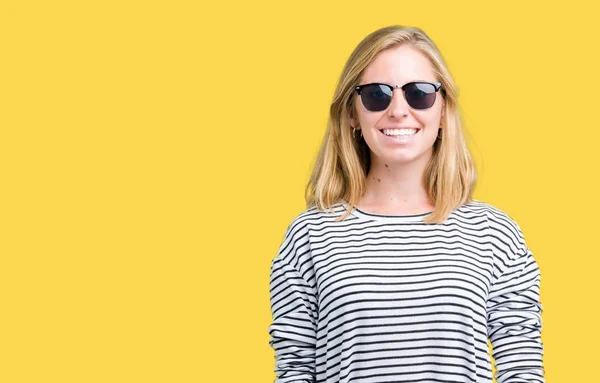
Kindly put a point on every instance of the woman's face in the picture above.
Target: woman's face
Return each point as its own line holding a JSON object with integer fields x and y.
{"x": 397, "y": 66}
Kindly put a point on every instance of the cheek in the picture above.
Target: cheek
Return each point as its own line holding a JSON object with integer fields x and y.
{"x": 366, "y": 118}
{"x": 433, "y": 119}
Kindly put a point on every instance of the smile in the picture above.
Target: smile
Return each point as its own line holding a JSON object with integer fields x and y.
{"x": 399, "y": 135}
{"x": 399, "y": 132}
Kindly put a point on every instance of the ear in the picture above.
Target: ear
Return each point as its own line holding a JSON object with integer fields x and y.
{"x": 353, "y": 120}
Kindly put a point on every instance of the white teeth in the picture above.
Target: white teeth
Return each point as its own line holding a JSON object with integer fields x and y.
{"x": 399, "y": 132}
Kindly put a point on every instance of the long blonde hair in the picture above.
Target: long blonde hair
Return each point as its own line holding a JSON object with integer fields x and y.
{"x": 341, "y": 166}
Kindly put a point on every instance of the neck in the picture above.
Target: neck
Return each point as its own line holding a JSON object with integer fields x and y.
{"x": 396, "y": 186}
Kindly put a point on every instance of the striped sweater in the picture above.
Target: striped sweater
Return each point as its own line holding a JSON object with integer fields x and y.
{"x": 387, "y": 298}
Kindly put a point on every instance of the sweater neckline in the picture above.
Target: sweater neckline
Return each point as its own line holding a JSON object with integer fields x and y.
{"x": 387, "y": 217}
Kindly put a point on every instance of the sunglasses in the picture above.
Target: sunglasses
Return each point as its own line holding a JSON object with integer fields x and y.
{"x": 376, "y": 97}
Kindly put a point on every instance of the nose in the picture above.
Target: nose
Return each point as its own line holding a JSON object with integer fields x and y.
{"x": 398, "y": 105}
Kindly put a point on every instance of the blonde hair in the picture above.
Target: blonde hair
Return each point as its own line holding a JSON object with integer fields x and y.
{"x": 341, "y": 166}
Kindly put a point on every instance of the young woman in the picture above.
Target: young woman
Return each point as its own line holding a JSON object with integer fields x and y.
{"x": 394, "y": 273}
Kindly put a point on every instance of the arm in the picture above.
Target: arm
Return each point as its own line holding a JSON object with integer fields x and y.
{"x": 293, "y": 331}
{"x": 514, "y": 313}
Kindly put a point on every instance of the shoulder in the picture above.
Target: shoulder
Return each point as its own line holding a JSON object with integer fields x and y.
{"x": 296, "y": 235}
{"x": 300, "y": 223}
{"x": 501, "y": 222}
{"x": 504, "y": 232}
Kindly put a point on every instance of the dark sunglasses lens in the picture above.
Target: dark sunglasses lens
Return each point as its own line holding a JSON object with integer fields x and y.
{"x": 420, "y": 95}
{"x": 375, "y": 97}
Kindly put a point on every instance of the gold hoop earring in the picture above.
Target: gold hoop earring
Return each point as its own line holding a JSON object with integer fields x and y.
{"x": 354, "y": 132}
{"x": 439, "y": 131}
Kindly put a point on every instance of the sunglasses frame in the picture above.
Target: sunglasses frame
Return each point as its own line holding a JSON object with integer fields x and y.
{"x": 437, "y": 85}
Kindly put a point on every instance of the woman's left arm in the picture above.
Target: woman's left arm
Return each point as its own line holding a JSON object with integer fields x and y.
{"x": 514, "y": 313}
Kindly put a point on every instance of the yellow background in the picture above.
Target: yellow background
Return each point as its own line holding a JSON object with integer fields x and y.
{"x": 153, "y": 153}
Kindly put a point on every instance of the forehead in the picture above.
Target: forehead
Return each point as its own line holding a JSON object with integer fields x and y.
{"x": 399, "y": 65}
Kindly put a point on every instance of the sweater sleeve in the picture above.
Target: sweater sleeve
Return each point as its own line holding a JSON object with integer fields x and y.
{"x": 293, "y": 330}
{"x": 514, "y": 310}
